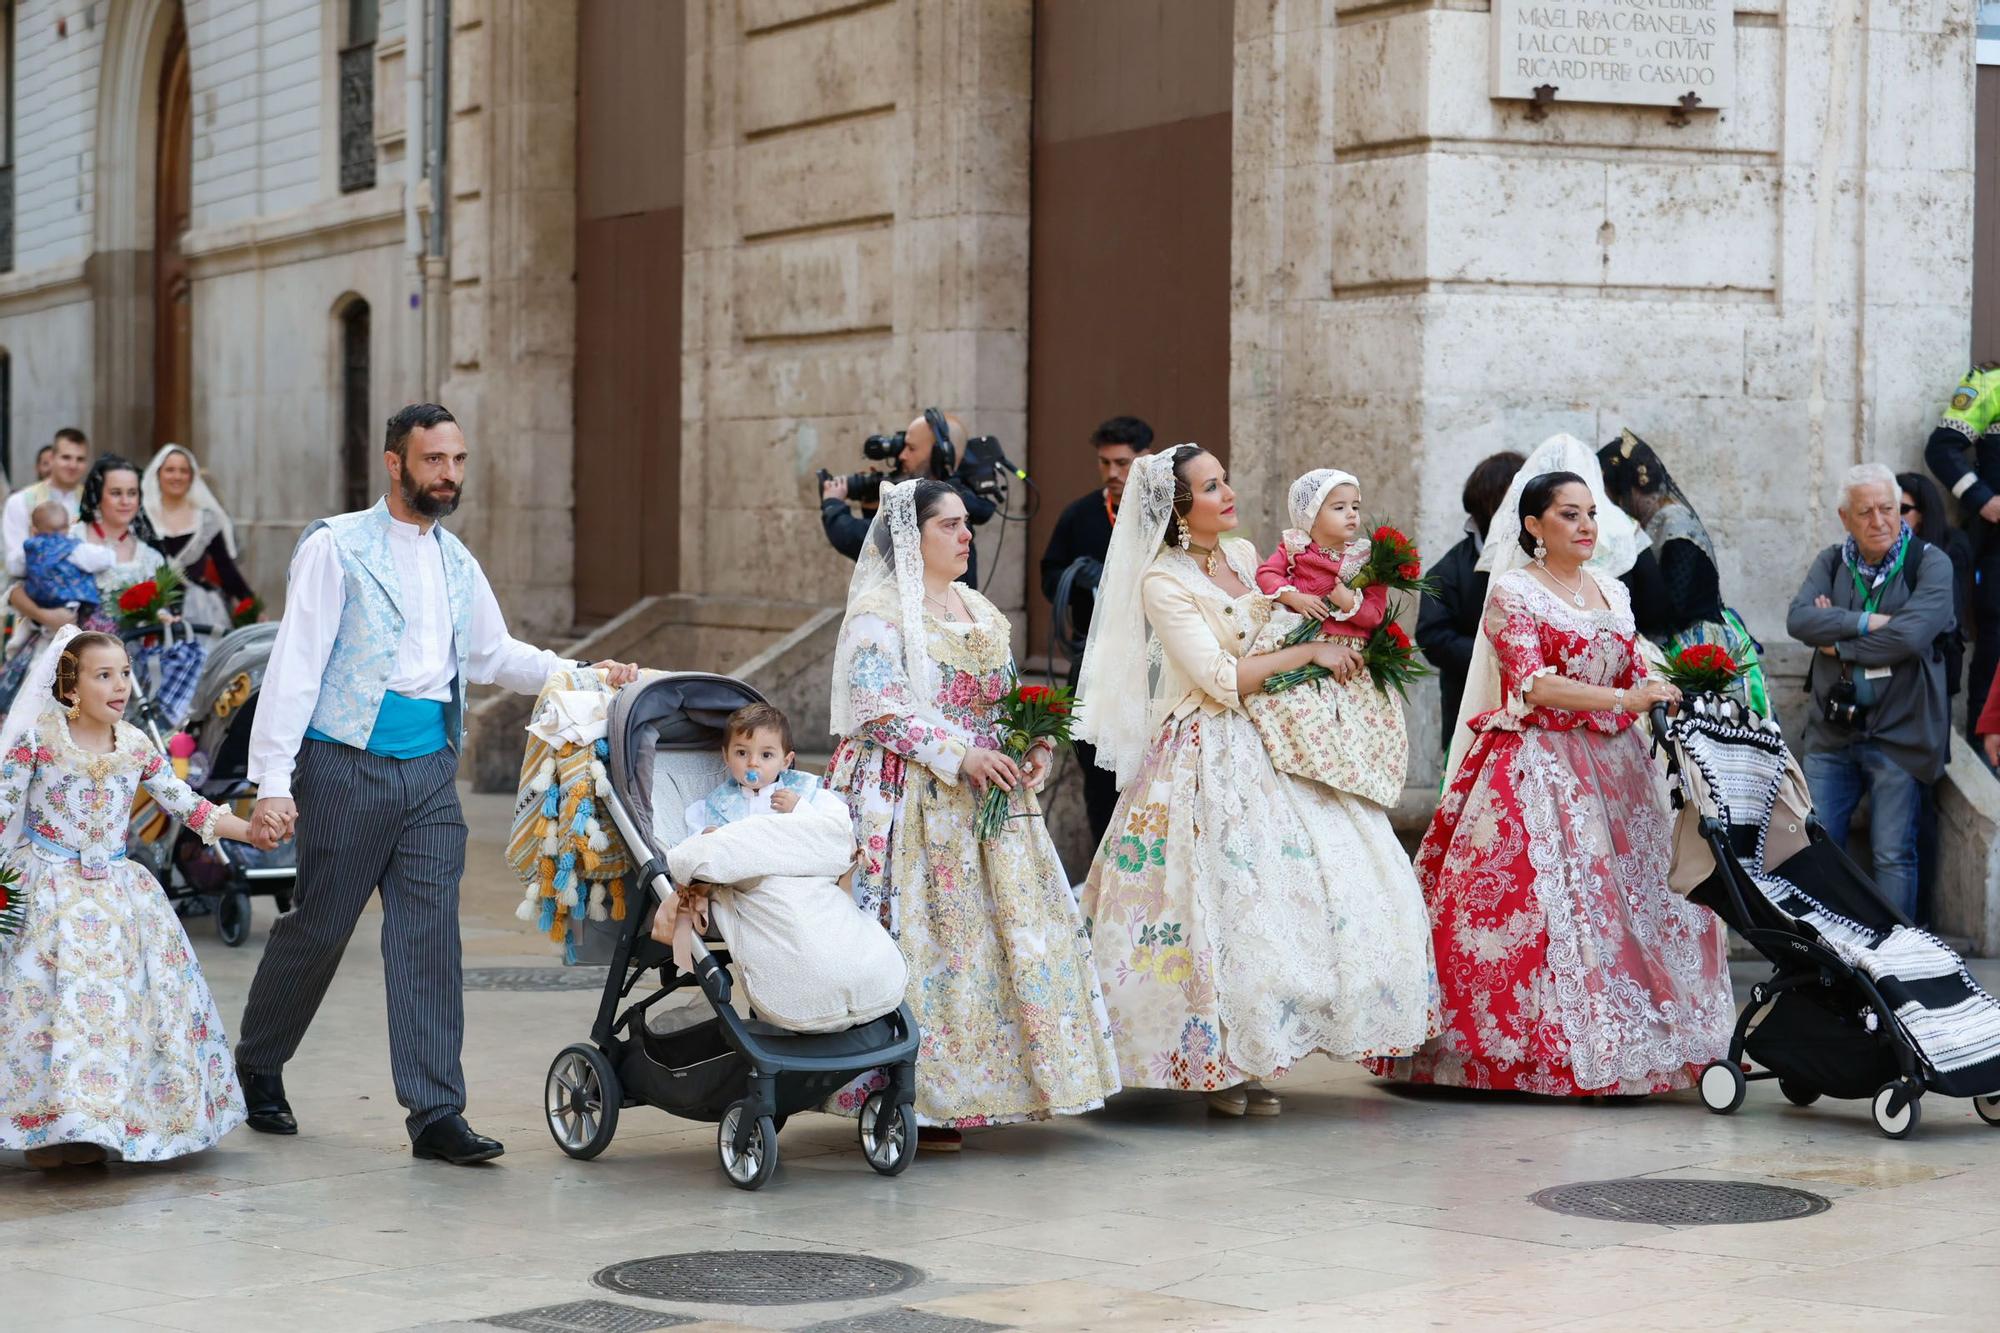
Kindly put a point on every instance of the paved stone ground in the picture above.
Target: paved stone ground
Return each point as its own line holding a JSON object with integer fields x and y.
{"x": 1360, "y": 1207}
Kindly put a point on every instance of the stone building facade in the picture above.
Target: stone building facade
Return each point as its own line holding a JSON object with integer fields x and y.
{"x": 667, "y": 258}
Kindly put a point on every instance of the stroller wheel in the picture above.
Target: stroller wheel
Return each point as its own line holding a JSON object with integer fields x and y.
{"x": 232, "y": 918}
{"x": 1723, "y": 1086}
{"x": 582, "y": 1100}
{"x": 888, "y": 1134}
{"x": 1987, "y": 1108}
{"x": 1897, "y": 1109}
{"x": 749, "y": 1169}
{"x": 1797, "y": 1095}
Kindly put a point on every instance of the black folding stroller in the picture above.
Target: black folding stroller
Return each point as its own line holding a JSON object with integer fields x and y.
{"x": 221, "y": 878}
{"x": 1861, "y": 1003}
{"x": 747, "y": 1076}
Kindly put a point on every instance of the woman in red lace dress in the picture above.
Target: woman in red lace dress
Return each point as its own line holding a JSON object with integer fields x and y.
{"x": 1568, "y": 967}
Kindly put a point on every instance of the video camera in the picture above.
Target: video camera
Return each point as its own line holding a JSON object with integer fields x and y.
{"x": 983, "y": 469}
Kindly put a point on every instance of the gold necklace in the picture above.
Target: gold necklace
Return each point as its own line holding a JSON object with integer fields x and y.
{"x": 1206, "y": 555}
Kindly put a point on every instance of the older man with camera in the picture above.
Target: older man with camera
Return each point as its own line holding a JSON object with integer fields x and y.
{"x": 1876, "y": 608}
{"x": 927, "y": 447}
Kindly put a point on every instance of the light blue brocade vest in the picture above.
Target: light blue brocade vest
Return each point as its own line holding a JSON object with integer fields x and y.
{"x": 371, "y": 626}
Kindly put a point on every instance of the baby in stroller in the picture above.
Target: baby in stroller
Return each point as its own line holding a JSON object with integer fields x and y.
{"x": 824, "y": 982}
{"x": 809, "y": 961}
{"x": 757, "y": 747}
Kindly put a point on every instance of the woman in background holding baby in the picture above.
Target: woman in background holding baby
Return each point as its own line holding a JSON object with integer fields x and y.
{"x": 1001, "y": 980}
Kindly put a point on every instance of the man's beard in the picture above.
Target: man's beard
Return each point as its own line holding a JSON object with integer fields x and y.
{"x": 420, "y": 499}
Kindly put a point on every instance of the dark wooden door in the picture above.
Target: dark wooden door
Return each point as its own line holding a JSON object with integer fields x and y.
{"x": 173, "y": 322}
{"x": 631, "y": 60}
{"x": 1129, "y": 239}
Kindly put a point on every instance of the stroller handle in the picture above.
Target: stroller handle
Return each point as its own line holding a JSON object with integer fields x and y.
{"x": 140, "y": 633}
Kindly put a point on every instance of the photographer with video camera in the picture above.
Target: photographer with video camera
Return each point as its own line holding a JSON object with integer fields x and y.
{"x": 1070, "y": 569}
{"x": 1877, "y": 608}
{"x": 927, "y": 447}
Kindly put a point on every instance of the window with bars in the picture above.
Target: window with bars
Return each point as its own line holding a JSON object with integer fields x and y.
{"x": 357, "y": 97}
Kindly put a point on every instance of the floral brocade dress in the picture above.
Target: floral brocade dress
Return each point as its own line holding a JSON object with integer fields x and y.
{"x": 1568, "y": 966}
{"x": 1001, "y": 980}
{"x": 108, "y": 1032}
{"x": 1244, "y": 918}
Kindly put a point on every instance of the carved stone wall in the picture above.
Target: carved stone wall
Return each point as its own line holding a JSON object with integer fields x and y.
{"x": 856, "y": 248}
{"x": 1768, "y": 295}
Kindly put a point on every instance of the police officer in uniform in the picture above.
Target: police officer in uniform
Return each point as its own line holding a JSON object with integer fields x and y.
{"x": 1972, "y": 420}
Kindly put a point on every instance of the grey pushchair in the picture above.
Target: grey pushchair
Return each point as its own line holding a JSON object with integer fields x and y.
{"x": 747, "y": 1076}
{"x": 221, "y": 878}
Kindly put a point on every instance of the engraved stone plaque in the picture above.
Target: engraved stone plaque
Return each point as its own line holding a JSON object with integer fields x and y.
{"x": 1639, "y": 52}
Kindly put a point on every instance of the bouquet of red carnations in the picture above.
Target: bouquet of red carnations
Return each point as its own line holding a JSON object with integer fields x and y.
{"x": 13, "y": 907}
{"x": 246, "y": 612}
{"x": 140, "y": 606}
{"x": 1702, "y": 668}
{"x": 1388, "y": 654}
{"x": 1028, "y": 713}
{"x": 1393, "y": 562}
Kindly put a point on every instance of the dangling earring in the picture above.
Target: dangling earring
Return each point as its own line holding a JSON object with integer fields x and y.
{"x": 1541, "y": 553}
{"x": 1181, "y": 523}
{"x": 73, "y": 711}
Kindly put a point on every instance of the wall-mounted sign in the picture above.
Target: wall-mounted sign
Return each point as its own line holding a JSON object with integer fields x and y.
{"x": 1640, "y": 52}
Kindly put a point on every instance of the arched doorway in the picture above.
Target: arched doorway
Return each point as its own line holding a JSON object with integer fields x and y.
{"x": 173, "y": 158}
{"x": 356, "y": 474}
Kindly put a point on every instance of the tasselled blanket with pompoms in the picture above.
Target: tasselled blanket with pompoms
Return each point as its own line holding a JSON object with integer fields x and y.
{"x": 563, "y": 844}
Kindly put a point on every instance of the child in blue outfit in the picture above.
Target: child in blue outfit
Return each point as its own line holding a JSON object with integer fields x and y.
{"x": 62, "y": 570}
{"x": 757, "y": 747}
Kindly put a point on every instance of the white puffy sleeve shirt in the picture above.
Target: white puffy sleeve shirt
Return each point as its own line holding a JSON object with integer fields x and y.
{"x": 425, "y": 660}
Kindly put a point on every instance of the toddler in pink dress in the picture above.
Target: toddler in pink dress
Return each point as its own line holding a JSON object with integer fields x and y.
{"x": 1347, "y": 734}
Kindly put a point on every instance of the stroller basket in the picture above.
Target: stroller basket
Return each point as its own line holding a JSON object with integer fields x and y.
{"x": 1861, "y": 1002}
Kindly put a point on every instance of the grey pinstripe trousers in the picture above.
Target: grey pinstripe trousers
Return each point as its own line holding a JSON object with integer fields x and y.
{"x": 367, "y": 821}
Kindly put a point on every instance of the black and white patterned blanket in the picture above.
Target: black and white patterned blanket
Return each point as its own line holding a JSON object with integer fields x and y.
{"x": 1948, "y": 1016}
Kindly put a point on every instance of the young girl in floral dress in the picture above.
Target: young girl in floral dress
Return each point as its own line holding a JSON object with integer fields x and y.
{"x": 1348, "y": 734}
{"x": 110, "y": 1045}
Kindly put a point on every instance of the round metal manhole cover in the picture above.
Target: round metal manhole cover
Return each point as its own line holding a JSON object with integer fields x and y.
{"x": 534, "y": 978}
{"x": 1681, "y": 1203}
{"x": 758, "y": 1277}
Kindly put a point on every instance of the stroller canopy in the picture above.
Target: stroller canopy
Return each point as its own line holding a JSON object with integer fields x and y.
{"x": 666, "y": 739}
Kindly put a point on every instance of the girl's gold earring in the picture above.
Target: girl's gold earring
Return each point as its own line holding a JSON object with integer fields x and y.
{"x": 73, "y": 712}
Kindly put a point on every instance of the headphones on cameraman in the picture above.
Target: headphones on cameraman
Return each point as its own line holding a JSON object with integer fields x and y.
{"x": 944, "y": 453}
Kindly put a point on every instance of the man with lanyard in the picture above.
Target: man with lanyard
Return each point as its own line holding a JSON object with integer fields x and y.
{"x": 68, "y": 462}
{"x": 1083, "y": 533}
{"x": 387, "y": 619}
{"x": 1874, "y": 607}
{"x": 1972, "y": 421}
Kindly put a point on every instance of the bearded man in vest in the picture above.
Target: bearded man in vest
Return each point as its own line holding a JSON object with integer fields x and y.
{"x": 355, "y": 749}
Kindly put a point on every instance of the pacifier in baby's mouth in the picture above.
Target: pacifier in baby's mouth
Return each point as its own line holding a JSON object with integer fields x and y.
{"x": 750, "y": 777}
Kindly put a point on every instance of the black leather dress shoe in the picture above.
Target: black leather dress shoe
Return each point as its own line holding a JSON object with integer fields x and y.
{"x": 452, "y": 1140}
{"x": 264, "y": 1097}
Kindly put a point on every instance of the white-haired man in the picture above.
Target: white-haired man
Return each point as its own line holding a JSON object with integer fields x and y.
{"x": 1876, "y": 607}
